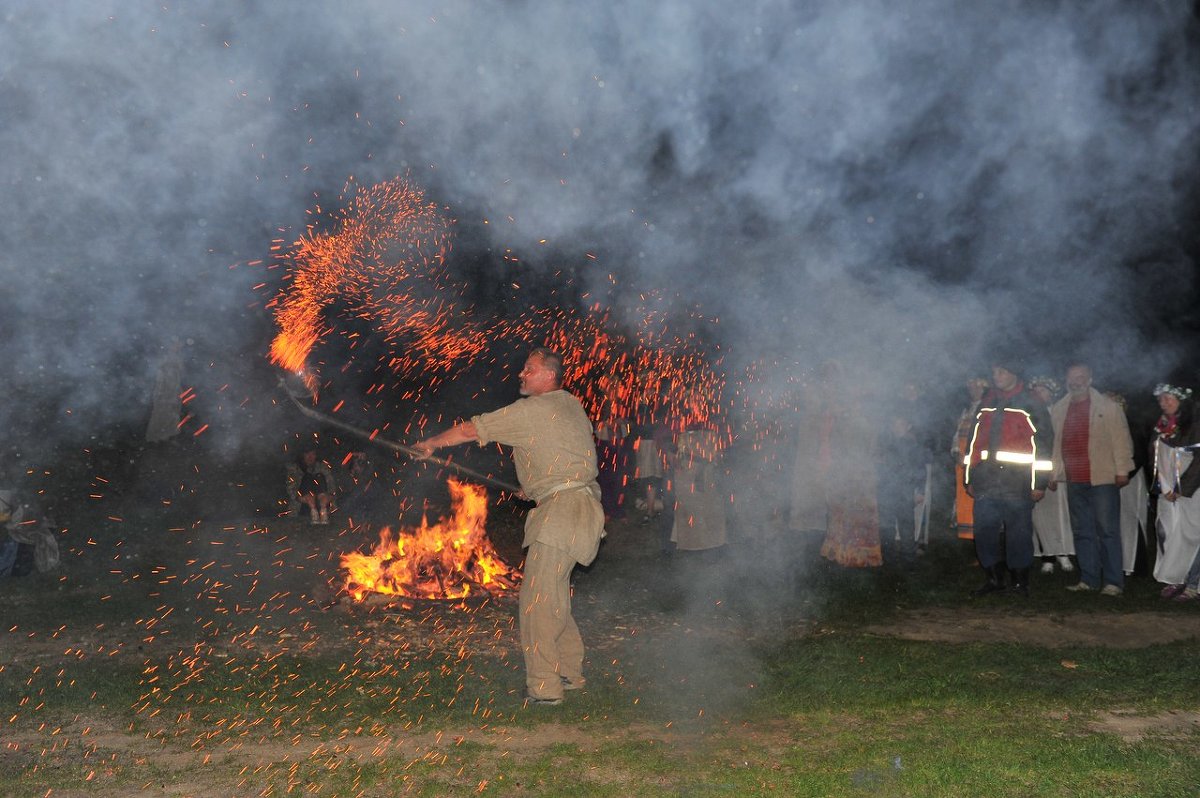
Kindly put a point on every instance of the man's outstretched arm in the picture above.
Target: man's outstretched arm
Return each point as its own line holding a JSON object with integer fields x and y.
{"x": 462, "y": 432}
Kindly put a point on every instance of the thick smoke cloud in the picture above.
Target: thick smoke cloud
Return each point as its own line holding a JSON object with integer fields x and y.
{"x": 873, "y": 182}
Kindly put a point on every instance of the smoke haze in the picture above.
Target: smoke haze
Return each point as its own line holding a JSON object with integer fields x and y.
{"x": 896, "y": 186}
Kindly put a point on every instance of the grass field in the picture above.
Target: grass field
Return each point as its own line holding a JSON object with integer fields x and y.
{"x": 212, "y": 662}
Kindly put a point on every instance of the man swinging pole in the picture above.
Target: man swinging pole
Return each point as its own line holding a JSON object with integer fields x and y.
{"x": 554, "y": 452}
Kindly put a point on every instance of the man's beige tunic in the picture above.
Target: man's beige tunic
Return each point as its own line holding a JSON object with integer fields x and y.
{"x": 555, "y": 456}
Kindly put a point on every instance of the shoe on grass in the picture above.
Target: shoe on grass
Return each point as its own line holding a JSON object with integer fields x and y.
{"x": 1171, "y": 591}
{"x": 1080, "y": 587}
{"x": 1047, "y": 567}
{"x": 1111, "y": 590}
{"x": 1188, "y": 594}
{"x": 534, "y": 701}
{"x": 573, "y": 684}
{"x": 1064, "y": 563}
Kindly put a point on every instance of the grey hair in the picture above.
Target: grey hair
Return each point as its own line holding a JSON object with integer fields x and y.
{"x": 551, "y": 360}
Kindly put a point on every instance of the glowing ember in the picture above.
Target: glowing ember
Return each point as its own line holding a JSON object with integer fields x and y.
{"x": 448, "y": 560}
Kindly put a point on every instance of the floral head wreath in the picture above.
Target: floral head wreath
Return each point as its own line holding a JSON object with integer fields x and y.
{"x": 1182, "y": 394}
{"x": 1049, "y": 383}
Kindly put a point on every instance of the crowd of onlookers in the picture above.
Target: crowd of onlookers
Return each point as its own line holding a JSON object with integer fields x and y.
{"x": 1042, "y": 473}
{"x": 1048, "y": 474}
{"x": 1113, "y": 491}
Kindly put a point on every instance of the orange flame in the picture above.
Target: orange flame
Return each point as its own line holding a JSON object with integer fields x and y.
{"x": 446, "y": 560}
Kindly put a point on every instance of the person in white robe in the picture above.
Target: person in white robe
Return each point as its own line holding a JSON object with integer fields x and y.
{"x": 1176, "y": 478}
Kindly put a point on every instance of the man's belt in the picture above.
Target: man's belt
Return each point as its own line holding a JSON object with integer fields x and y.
{"x": 570, "y": 485}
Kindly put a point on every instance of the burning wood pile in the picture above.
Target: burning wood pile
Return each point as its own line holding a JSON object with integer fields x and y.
{"x": 451, "y": 559}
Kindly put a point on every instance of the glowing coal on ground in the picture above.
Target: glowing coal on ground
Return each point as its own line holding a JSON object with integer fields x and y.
{"x": 450, "y": 559}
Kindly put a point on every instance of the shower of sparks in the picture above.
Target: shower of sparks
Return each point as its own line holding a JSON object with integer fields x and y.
{"x": 383, "y": 261}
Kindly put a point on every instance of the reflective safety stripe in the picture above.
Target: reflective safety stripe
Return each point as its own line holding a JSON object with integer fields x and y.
{"x": 1021, "y": 458}
{"x": 1008, "y": 457}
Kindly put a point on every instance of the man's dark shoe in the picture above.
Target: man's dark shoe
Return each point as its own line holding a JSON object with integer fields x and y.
{"x": 1020, "y": 582}
{"x": 994, "y": 583}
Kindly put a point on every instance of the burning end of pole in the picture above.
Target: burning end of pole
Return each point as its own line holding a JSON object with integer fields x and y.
{"x": 300, "y": 384}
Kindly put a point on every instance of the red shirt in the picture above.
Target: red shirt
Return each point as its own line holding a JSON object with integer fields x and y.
{"x": 1075, "y": 441}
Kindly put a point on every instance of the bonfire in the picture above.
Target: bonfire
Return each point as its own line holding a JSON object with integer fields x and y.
{"x": 450, "y": 559}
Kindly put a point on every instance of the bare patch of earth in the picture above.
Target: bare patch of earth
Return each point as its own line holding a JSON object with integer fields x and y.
{"x": 1047, "y": 630}
{"x": 1132, "y": 727}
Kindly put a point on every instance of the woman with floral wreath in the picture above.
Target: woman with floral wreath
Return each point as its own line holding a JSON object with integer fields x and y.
{"x": 1176, "y": 478}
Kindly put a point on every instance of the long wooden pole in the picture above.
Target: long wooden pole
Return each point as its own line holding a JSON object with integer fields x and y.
{"x": 379, "y": 440}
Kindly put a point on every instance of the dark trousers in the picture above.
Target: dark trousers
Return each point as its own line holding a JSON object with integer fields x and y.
{"x": 1014, "y": 519}
{"x": 1096, "y": 526}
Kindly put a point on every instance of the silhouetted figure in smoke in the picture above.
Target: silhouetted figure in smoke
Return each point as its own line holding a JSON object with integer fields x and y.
{"x": 808, "y": 510}
{"x": 964, "y": 505}
{"x": 555, "y": 456}
{"x": 165, "y": 402}
{"x": 699, "y": 502}
{"x": 846, "y": 457}
{"x": 915, "y": 406}
{"x": 355, "y": 485}
{"x": 903, "y": 481}
{"x": 1008, "y": 467}
{"x": 614, "y": 453}
{"x": 310, "y": 484}
{"x": 651, "y": 450}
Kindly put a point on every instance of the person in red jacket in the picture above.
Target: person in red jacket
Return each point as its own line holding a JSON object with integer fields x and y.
{"x": 1007, "y": 469}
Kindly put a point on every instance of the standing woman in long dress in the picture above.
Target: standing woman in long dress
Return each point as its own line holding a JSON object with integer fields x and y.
{"x": 1052, "y": 538}
{"x": 1176, "y": 478}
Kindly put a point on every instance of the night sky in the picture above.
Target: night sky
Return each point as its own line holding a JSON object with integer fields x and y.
{"x": 900, "y": 186}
